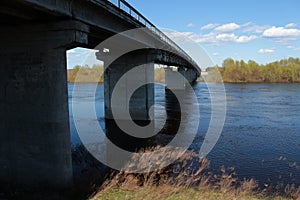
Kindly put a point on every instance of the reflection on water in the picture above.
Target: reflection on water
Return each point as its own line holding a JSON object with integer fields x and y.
{"x": 261, "y": 136}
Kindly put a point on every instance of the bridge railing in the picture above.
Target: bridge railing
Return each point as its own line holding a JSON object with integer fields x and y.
{"x": 127, "y": 8}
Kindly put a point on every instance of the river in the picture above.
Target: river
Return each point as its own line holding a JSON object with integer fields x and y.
{"x": 260, "y": 137}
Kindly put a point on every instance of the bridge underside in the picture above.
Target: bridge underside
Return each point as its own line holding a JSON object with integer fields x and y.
{"x": 34, "y": 129}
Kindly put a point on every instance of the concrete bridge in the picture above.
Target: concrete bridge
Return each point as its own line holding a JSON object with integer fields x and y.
{"x": 34, "y": 118}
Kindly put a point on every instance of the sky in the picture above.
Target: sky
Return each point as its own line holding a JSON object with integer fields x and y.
{"x": 259, "y": 30}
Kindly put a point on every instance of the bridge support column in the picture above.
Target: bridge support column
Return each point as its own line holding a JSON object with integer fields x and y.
{"x": 34, "y": 118}
{"x": 140, "y": 102}
{"x": 174, "y": 80}
{"x": 190, "y": 74}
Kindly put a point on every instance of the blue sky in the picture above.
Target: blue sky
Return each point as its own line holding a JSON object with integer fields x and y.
{"x": 260, "y": 30}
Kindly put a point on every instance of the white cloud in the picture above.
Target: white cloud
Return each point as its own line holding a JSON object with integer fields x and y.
{"x": 190, "y": 25}
{"x": 263, "y": 51}
{"x": 216, "y": 54}
{"x": 233, "y": 38}
{"x": 213, "y": 38}
{"x": 226, "y": 37}
{"x": 81, "y": 53}
{"x": 293, "y": 47}
{"x": 245, "y": 39}
{"x": 203, "y": 38}
{"x": 282, "y": 34}
{"x": 256, "y": 28}
{"x": 290, "y": 25}
{"x": 225, "y": 28}
{"x": 219, "y": 39}
{"x": 176, "y": 34}
{"x": 219, "y": 34}
{"x": 209, "y": 26}
{"x": 247, "y": 24}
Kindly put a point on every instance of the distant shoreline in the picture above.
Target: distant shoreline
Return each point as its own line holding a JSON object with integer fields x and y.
{"x": 232, "y": 71}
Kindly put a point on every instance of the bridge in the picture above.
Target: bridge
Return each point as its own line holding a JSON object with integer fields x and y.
{"x": 34, "y": 118}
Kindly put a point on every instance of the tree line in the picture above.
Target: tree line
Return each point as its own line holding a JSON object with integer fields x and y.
{"x": 94, "y": 74}
{"x": 239, "y": 71}
{"x": 88, "y": 74}
{"x": 231, "y": 71}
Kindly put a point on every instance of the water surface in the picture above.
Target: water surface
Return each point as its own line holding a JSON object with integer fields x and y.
{"x": 261, "y": 135}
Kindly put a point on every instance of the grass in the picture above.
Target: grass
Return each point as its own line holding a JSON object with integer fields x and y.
{"x": 173, "y": 193}
{"x": 188, "y": 178}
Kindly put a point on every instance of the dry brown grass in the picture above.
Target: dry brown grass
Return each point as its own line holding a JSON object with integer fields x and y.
{"x": 188, "y": 178}
{"x": 293, "y": 191}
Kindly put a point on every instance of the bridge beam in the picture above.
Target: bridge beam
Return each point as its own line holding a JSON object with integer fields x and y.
{"x": 34, "y": 119}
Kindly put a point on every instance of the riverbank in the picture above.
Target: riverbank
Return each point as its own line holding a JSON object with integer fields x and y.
{"x": 180, "y": 193}
{"x": 182, "y": 180}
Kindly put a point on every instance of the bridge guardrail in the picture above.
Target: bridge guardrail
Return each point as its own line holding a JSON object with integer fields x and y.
{"x": 131, "y": 11}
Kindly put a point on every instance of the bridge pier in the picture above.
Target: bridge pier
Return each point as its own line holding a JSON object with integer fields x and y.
{"x": 34, "y": 119}
{"x": 174, "y": 81}
{"x": 140, "y": 102}
{"x": 191, "y": 75}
